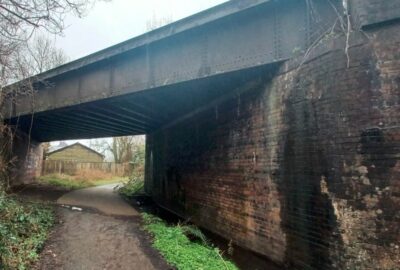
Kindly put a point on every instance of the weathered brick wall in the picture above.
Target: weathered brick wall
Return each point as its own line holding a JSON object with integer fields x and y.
{"x": 304, "y": 168}
{"x": 26, "y": 160}
{"x": 371, "y": 12}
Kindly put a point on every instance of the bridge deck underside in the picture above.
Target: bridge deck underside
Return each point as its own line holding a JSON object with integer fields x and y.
{"x": 134, "y": 114}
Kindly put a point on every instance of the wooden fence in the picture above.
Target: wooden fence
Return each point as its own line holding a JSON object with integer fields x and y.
{"x": 74, "y": 167}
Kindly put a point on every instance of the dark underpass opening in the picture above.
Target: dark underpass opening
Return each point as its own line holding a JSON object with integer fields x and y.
{"x": 74, "y": 165}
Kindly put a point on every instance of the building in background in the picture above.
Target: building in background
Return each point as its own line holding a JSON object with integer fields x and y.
{"x": 52, "y": 148}
{"x": 75, "y": 152}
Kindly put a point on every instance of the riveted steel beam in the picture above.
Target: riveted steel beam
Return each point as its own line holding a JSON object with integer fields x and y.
{"x": 151, "y": 80}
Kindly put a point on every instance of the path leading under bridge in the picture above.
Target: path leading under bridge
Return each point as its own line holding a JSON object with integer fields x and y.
{"x": 97, "y": 229}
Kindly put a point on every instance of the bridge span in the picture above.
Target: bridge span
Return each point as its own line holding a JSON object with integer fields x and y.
{"x": 142, "y": 84}
{"x": 274, "y": 123}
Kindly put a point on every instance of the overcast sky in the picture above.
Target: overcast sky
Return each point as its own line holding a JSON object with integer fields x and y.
{"x": 112, "y": 22}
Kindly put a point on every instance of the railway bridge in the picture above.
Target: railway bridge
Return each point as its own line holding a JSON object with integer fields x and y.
{"x": 274, "y": 123}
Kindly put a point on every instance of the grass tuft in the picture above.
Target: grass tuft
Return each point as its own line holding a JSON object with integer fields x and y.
{"x": 179, "y": 251}
{"x": 194, "y": 233}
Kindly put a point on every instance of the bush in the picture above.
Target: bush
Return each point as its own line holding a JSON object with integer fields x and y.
{"x": 134, "y": 186}
{"x": 23, "y": 231}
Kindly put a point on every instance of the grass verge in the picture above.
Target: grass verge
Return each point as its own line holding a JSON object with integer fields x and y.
{"x": 179, "y": 251}
{"x": 23, "y": 230}
{"x": 184, "y": 247}
{"x": 71, "y": 182}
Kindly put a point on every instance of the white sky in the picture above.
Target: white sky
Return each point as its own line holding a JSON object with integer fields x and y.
{"x": 111, "y": 22}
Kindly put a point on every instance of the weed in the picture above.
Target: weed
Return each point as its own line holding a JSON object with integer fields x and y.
{"x": 23, "y": 231}
{"x": 194, "y": 233}
{"x": 134, "y": 186}
{"x": 179, "y": 251}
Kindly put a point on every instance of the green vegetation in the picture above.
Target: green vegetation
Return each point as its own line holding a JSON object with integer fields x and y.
{"x": 134, "y": 186}
{"x": 71, "y": 182}
{"x": 179, "y": 251}
{"x": 23, "y": 230}
{"x": 184, "y": 247}
{"x": 138, "y": 156}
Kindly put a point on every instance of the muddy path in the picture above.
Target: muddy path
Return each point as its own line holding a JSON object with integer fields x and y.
{"x": 88, "y": 240}
{"x": 105, "y": 233}
{"x": 102, "y": 232}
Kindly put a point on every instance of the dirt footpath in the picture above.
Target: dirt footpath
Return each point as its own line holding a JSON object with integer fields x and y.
{"x": 87, "y": 241}
{"x": 90, "y": 239}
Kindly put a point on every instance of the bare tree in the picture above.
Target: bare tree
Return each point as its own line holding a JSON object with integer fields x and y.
{"x": 122, "y": 149}
{"x": 19, "y": 21}
{"x": 156, "y": 22}
{"x": 41, "y": 55}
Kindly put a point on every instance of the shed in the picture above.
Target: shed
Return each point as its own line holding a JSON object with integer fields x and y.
{"x": 75, "y": 152}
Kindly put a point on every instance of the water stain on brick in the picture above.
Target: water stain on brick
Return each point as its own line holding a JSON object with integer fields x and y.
{"x": 307, "y": 216}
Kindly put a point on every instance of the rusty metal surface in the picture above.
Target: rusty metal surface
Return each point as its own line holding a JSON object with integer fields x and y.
{"x": 133, "y": 114}
{"x": 237, "y": 36}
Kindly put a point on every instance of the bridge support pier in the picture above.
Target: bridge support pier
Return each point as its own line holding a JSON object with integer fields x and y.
{"x": 303, "y": 168}
{"x": 26, "y": 159}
